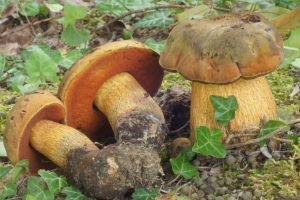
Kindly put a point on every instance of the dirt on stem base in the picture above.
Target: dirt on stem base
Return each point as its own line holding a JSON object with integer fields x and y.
{"x": 113, "y": 171}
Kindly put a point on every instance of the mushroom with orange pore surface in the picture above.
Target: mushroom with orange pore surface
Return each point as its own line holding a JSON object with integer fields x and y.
{"x": 118, "y": 79}
{"x": 33, "y": 130}
{"x": 226, "y": 55}
{"x": 35, "y": 121}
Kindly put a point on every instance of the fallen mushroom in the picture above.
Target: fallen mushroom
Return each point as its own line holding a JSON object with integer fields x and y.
{"x": 119, "y": 79}
{"x": 33, "y": 130}
{"x": 226, "y": 55}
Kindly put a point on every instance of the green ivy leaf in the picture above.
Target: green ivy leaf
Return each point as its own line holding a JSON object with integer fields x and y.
{"x": 54, "y": 7}
{"x": 155, "y": 46}
{"x": 224, "y": 108}
{"x": 268, "y": 128}
{"x": 18, "y": 169}
{"x": 208, "y": 142}
{"x": 36, "y": 189}
{"x": 72, "y": 13}
{"x": 4, "y": 4}
{"x": 54, "y": 182}
{"x": 73, "y": 36}
{"x": 73, "y": 193}
{"x": 4, "y": 171}
{"x": 143, "y": 194}
{"x": 10, "y": 189}
{"x": 161, "y": 19}
{"x": 29, "y": 8}
{"x": 69, "y": 59}
{"x": 181, "y": 164}
{"x": 121, "y": 6}
{"x": 293, "y": 40}
{"x": 40, "y": 66}
{"x": 110, "y": 6}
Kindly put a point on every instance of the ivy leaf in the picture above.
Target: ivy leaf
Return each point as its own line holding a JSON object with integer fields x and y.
{"x": 36, "y": 189}
{"x": 143, "y": 194}
{"x": 224, "y": 108}
{"x": 208, "y": 142}
{"x": 155, "y": 46}
{"x": 18, "y": 169}
{"x": 29, "y": 8}
{"x": 54, "y": 182}
{"x": 161, "y": 19}
{"x": 72, "y": 13}
{"x": 73, "y": 36}
{"x": 181, "y": 164}
{"x": 54, "y": 7}
{"x": 40, "y": 66}
{"x": 110, "y": 6}
{"x": 4, "y": 171}
{"x": 69, "y": 59}
{"x": 73, "y": 193}
{"x": 4, "y": 4}
{"x": 268, "y": 128}
{"x": 10, "y": 189}
{"x": 121, "y": 6}
{"x": 293, "y": 40}
{"x": 296, "y": 63}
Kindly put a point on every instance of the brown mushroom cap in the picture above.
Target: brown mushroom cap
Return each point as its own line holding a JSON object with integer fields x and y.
{"x": 80, "y": 85}
{"x": 29, "y": 110}
{"x": 223, "y": 48}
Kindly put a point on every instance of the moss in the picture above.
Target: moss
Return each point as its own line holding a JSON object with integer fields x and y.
{"x": 278, "y": 178}
{"x": 282, "y": 84}
{"x": 171, "y": 79}
{"x": 7, "y": 100}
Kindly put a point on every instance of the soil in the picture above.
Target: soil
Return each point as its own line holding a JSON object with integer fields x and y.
{"x": 114, "y": 170}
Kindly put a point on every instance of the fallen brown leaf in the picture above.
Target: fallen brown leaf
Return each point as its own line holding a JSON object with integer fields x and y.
{"x": 284, "y": 23}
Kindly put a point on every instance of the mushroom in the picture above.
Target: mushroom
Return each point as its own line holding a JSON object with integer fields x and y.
{"x": 115, "y": 81}
{"x": 226, "y": 55}
{"x": 33, "y": 130}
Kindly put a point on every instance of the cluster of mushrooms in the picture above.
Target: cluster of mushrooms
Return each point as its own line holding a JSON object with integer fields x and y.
{"x": 109, "y": 92}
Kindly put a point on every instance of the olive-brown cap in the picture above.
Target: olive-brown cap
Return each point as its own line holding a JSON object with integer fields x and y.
{"x": 81, "y": 83}
{"x": 29, "y": 110}
{"x": 221, "y": 49}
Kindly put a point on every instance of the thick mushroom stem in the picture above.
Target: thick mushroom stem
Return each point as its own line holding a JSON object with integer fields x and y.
{"x": 131, "y": 111}
{"x": 55, "y": 141}
{"x": 255, "y": 99}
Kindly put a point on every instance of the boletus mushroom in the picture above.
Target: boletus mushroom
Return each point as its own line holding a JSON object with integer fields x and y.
{"x": 33, "y": 130}
{"x": 226, "y": 55}
{"x": 115, "y": 81}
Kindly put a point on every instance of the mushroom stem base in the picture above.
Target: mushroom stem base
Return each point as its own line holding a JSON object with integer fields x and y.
{"x": 131, "y": 111}
{"x": 255, "y": 99}
{"x": 55, "y": 141}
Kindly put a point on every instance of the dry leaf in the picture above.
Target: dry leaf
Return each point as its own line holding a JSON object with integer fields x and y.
{"x": 295, "y": 91}
{"x": 284, "y": 23}
{"x": 9, "y": 49}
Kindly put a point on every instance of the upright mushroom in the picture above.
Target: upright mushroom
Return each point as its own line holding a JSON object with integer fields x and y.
{"x": 116, "y": 82}
{"x": 226, "y": 55}
{"x": 33, "y": 129}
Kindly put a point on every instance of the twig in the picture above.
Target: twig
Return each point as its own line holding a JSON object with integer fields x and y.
{"x": 174, "y": 180}
{"x": 26, "y": 25}
{"x": 31, "y": 26}
{"x": 180, "y": 128}
{"x": 143, "y": 10}
{"x": 287, "y": 141}
{"x": 255, "y": 141}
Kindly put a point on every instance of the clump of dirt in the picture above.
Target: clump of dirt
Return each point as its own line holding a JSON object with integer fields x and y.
{"x": 143, "y": 128}
{"x": 115, "y": 170}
